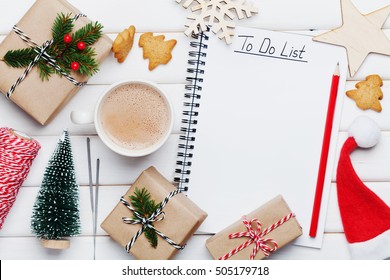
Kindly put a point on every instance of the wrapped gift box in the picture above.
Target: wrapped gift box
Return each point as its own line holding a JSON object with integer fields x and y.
{"x": 182, "y": 218}
{"x": 270, "y": 213}
{"x": 43, "y": 99}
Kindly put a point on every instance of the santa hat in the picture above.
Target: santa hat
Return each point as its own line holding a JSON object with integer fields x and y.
{"x": 365, "y": 216}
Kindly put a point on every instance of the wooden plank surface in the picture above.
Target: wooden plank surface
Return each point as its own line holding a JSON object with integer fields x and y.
{"x": 87, "y": 98}
{"x": 117, "y": 173}
{"x": 109, "y": 198}
{"x": 334, "y": 248}
{"x": 168, "y": 16}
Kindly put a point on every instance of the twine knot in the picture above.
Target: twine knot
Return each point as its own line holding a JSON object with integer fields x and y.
{"x": 256, "y": 236}
{"x": 147, "y": 222}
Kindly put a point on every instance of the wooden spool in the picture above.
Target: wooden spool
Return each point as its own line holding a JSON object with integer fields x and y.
{"x": 21, "y": 135}
{"x": 56, "y": 244}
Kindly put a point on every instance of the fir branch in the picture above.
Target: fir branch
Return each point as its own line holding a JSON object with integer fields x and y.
{"x": 88, "y": 65}
{"x": 45, "y": 70}
{"x": 89, "y": 33}
{"x": 62, "y": 25}
{"x": 145, "y": 206}
{"x": 19, "y": 58}
{"x": 151, "y": 235}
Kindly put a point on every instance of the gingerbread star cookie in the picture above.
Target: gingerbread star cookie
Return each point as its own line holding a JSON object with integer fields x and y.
{"x": 368, "y": 93}
{"x": 123, "y": 43}
{"x": 156, "y": 49}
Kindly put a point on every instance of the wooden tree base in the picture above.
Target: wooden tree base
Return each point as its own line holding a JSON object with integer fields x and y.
{"x": 56, "y": 244}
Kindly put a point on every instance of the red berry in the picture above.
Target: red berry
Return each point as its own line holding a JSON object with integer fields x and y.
{"x": 75, "y": 66}
{"x": 81, "y": 45}
{"x": 67, "y": 38}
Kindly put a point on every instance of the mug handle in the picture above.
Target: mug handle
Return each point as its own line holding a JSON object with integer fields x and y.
{"x": 82, "y": 117}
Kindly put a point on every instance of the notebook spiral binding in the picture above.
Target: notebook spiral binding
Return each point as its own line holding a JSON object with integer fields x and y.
{"x": 190, "y": 112}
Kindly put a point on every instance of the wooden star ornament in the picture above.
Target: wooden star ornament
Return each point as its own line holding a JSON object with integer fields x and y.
{"x": 359, "y": 34}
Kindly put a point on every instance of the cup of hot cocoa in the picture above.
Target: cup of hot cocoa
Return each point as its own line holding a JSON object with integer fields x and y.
{"x": 133, "y": 118}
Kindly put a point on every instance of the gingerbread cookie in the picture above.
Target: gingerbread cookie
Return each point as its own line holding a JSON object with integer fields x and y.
{"x": 123, "y": 43}
{"x": 156, "y": 49}
{"x": 368, "y": 93}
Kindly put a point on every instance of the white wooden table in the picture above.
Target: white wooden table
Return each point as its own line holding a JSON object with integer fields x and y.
{"x": 117, "y": 173}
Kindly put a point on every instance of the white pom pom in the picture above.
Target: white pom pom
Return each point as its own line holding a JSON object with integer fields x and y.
{"x": 365, "y": 131}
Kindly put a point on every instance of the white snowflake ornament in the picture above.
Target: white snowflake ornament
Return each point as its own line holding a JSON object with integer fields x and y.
{"x": 216, "y": 13}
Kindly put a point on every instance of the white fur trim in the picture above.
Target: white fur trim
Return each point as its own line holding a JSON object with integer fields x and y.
{"x": 377, "y": 248}
{"x": 365, "y": 131}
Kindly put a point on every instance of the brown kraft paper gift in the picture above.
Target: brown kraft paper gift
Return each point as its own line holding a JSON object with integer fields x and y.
{"x": 268, "y": 214}
{"x": 182, "y": 219}
{"x": 43, "y": 99}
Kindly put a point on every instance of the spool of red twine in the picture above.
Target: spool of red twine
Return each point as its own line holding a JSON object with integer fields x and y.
{"x": 17, "y": 153}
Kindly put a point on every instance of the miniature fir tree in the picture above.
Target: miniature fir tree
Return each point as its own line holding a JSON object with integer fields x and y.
{"x": 56, "y": 210}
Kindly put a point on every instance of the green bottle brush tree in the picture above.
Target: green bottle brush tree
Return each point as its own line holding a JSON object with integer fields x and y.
{"x": 56, "y": 208}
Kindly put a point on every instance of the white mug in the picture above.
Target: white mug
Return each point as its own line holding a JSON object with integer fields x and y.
{"x": 80, "y": 117}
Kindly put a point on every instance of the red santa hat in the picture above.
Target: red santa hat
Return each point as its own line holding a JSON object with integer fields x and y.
{"x": 365, "y": 216}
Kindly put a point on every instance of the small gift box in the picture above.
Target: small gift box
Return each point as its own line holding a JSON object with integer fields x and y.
{"x": 43, "y": 99}
{"x": 172, "y": 223}
{"x": 258, "y": 234}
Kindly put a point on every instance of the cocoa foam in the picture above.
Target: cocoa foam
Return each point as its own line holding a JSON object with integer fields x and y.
{"x": 135, "y": 116}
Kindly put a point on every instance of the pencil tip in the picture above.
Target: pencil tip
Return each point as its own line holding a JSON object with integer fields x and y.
{"x": 337, "y": 70}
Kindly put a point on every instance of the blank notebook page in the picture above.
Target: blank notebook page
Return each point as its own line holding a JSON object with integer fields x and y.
{"x": 261, "y": 123}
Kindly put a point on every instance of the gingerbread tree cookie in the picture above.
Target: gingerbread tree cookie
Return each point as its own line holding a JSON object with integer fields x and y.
{"x": 123, "y": 44}
{"x": 156, "y": 49}
{"x": 368, "y": 93}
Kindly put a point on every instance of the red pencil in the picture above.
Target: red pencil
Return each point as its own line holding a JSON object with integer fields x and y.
{"x": 324, "y": 152}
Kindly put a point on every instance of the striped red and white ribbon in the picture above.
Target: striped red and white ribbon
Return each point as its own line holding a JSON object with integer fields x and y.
{"x": 16, "y": 156}
{"x": 266, "y": 245}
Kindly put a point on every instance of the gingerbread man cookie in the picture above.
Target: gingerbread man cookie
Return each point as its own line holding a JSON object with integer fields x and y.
{"x": 368, "y": 93}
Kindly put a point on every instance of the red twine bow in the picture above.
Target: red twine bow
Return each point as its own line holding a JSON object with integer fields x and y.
{"x": 267, "y": 245}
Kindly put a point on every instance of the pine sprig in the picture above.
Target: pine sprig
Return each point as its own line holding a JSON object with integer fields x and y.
{"x": 151, "y": 235}
{"x": 87, "y": 65}
{"x": 45, "y": 70}
{"x": 145, "y": 206}
{"x": 62, "y": 25}
{"x": 19, "y": 58}
{"x": 63, "y": 53}
{"x": 89, "y": 33}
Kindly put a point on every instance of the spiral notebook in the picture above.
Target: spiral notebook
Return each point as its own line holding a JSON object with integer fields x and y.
{"x": 253, "y": 125}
